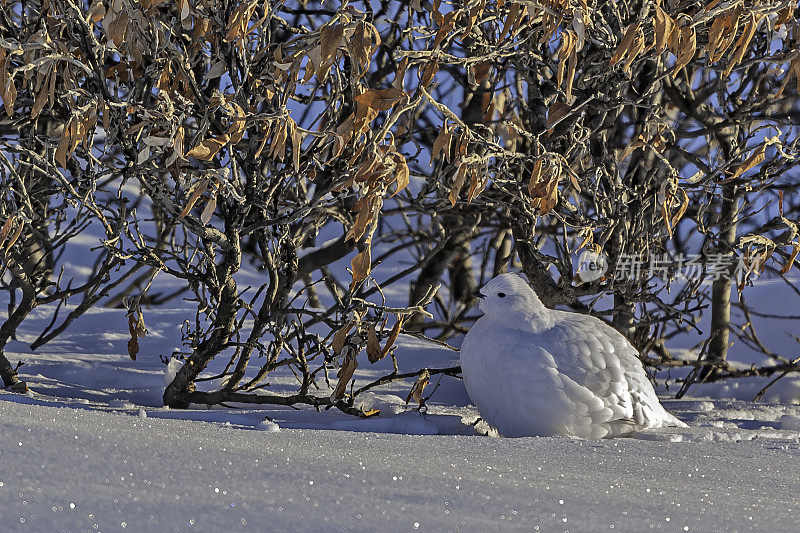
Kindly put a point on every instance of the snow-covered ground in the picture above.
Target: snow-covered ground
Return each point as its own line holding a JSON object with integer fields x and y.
{"x": 87, "y": 469}
{"x": 90, "y": 448}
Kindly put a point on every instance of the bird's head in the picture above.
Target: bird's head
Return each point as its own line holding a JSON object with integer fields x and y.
{"x": 509, "y": 298}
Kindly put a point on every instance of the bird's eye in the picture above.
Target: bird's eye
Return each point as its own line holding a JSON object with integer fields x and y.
{"x": 501, "y": 294}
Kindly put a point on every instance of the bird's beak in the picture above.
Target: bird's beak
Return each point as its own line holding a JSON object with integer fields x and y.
{"x": 480, "y": 295}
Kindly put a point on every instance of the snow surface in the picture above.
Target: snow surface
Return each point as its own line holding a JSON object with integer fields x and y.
{"x": 84, "y": 469}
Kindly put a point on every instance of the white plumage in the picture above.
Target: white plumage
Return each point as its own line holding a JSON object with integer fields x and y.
{"x": 534, "y": 371}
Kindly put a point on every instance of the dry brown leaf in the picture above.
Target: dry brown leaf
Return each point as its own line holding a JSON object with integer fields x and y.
{"x": 6, "y": 229}
{"x": 400, "y": 75}
{"x": 380, "y": 99}
{"x": 790, "y": 261}
{"x": 625, "y": 44}
{"x": 662, "y": 27}
{"x": 211, "y": 206}
{"x": 743, "y": 43}
{"x": 197, "y": 191}
{"x": 137, "y": 329}
{"x": 345, "y": 373}
{"x": 68, "y": 142}
{"x": 361, "y": 266}
{"x": 477, "y": 183}
{"x": 402, "y": 174}
{"x": 133, "y": 347}
{"x": 446, "y": 24}
{"x": 238, "y": 125}
{"x": 785, "y": 15}
{"x": 364, "y": 212}
{"x": 536, "y": 176}
{"x": 339, "y": 338}
{"x": 14, "y": 236}
{"x": 686, "y": 42}
{"x": 568, "y": 41}
{"x": 511, "y": 20}
{"x": 374, "y": 352}
{"x": 364, "y": 41}
{"x": 429, "y": 72}
{"x": 366, "y": 169}
{"x": 278, "y": 148}
{"x": 676, "y": 218}
{"x": 556, "y": 111}
{"x": 207, "y": 149}
{"x": 237, "y": 23}
{"x": 756, "y": 159}
{"x": 458, "y": 183}
{"x": 330, "y": 38}
{"x": 419, "y": 387}
{"x": 392, "y": 336}
{"x": 442, "y": 144}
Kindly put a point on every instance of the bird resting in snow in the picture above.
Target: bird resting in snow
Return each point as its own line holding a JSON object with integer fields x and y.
{"x": 534, "y": 371}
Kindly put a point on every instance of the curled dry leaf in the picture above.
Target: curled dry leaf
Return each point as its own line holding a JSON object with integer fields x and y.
{"x": 536, "y": 175}
{"x": 380, "y": 99}
{"x": 419, "y": 387}
{"x": 207, "y": 149}
{"x": 345, "y": 373}
{"x": 684, "y": 42}
{"x": 402, "y": 175}
{"x": 429, "y": 72}
{"x": 339, "y": 338}
{"x": 137, "y": 329}
{"x": 662, "y": 28}
{"x": 237, "y": 23}
{"x": 392, "y": 336}
{"x": 743, "y": 43}
{"x": 197, "y": 190}
{"x": 211, "y": 205}
{"x": 458, "y": 183}
{"x": 361, "y": 266}
{"x": 441, "y": 146}
{"x": 790, "y": 261}
{"x": 374, "y": 352}
{"x": 625, "y": 44}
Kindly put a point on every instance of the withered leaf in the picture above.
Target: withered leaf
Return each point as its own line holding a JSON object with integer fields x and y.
{"x": 458, "y": 183}
{"x": 330, "y": 37}
{"x": 625, "y": 44}
{"x": 743, "y": 43}
{"x": 345, "y": 373}
{"x": 511, "y": 20}
{"x": 687, "y": 42}
{"x": 662, "y": 26}
{"x": 210, "y": 207}
{"x": 419, "y": 387}
{"x": 402, "y": 174}
{"x": 207, "y": 149}
{"x": 756, "y": 159}
{"x": 429, "y": 72}
{"x": 392, "y": 336}
{"x": 442, "y": 144}
{"x": 790, "y": 261}
{"x": 380, "y": 99}
{"x": 339, "y": 338}
{"x": 536, "y": 176}
{"x": 374, "y": 352}
{"x": 196, "y": 192}
{"x": 361, "y": 266}
{"x": 133, "y": 347}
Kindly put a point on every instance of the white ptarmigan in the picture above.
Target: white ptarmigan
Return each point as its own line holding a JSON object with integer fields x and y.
{"x": 534, "y": 371}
